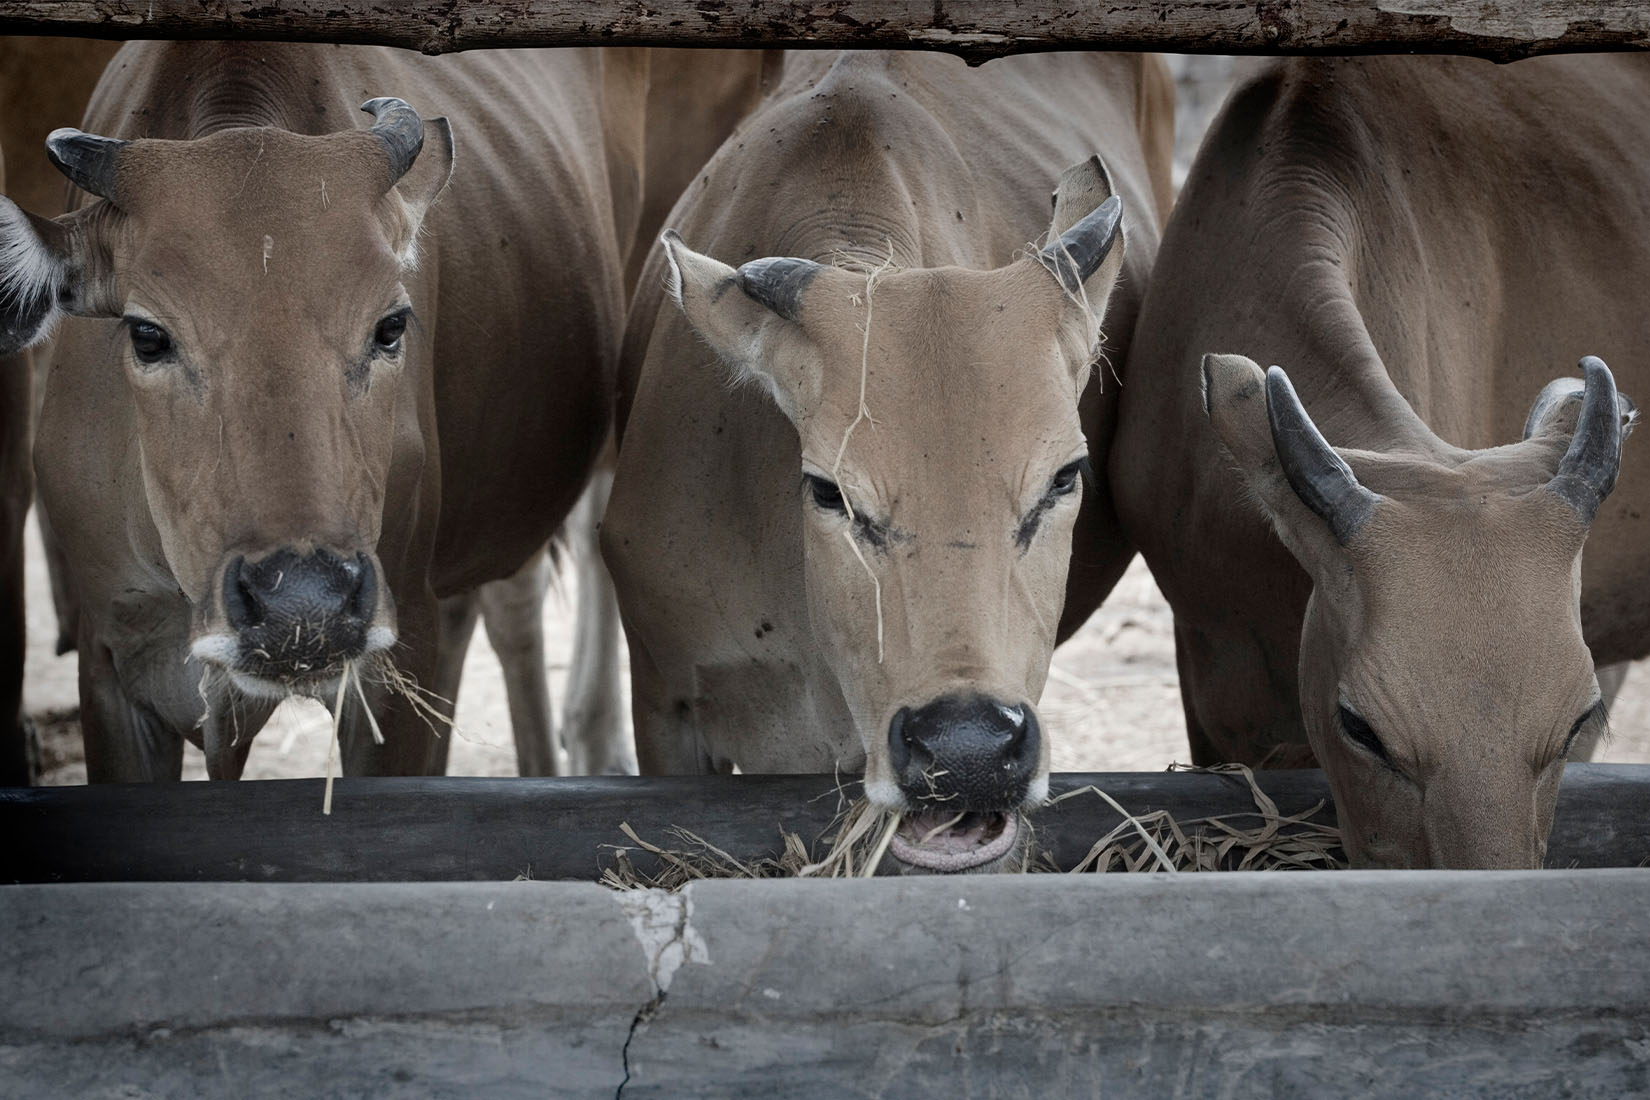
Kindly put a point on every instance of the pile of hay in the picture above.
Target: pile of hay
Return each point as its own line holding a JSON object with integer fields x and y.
{"x": 1261, "y": 840}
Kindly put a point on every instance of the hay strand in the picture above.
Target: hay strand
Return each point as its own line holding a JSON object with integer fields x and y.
{"x": 863, "y": 413}
{"x": 1263, "y": 839}
{"x": 372, "y": 722}
{"x": 332, "y": 743}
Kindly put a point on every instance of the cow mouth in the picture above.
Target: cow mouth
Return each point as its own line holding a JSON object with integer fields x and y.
{"x": 256, "y": 672}
{"x": 947, "y": 842}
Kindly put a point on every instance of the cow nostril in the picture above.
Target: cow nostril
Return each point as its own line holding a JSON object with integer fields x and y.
{"x": 242, "y": 607}
{"x": 974, "y": 751}
{"x": 1013, "y": 727}
{"x": 899, "y": 749}
{"x": 363, "y": 600}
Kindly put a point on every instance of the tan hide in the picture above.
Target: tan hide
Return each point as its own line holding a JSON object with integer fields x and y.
{"x": 798, "y": 571}
{"x": 1422, "y": 244}
{"x": 285, "y": 410}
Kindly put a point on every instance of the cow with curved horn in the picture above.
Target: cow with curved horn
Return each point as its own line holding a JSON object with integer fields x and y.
{"x": 317, "y": 387}
{"x": 1416, "y": 243}
{"x": 859, "y": 557}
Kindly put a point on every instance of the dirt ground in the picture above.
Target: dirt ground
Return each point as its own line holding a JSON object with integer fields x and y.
{"x": 1111, "y": 704}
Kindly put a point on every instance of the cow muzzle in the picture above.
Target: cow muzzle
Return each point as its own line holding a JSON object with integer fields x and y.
{"x": 295, "y": 620}
{"x": 967, "y": 764}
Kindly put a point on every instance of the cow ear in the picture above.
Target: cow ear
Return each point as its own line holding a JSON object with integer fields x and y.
{"x": 422, "y": 184}
{"x": 1085, "y": 254}
{"x": 1311, "y": 495}
{"x": 49, "y": 268}
{"x": 751, "y": 317}
{"x": 1557, "y": 407}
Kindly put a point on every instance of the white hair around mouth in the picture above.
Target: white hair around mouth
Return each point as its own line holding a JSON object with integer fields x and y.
{"x": 885, "y": 794}
{"x": 222, "y": 649}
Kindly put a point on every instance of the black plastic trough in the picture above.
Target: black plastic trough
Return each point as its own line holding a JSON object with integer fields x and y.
{"x": 388, "y": 830}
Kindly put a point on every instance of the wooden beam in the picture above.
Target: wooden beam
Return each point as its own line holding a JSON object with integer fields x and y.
{"x": 976, "y": 29}
{"x": 388, "y": 830}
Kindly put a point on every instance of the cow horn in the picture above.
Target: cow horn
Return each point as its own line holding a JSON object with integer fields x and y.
{"x": 88, "y": 160}
{"x": 1588, "y": 470}
{"x": 1319, "y": 476}
{"x": 398, "y": 126}
{"x": 1084, "y": 247}
{"x": 778, "y": 282}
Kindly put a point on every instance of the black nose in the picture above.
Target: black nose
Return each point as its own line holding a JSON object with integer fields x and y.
{"x": 298, "y": 615}
{"x": 971, "y": 753}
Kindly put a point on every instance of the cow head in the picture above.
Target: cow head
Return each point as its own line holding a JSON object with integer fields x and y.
{"x": 940, "y": 474}
{"x": 265, "y": 326}
{"x": 1443, "y": 672}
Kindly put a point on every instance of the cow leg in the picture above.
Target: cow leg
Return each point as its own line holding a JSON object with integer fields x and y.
{"x": 57, "y": 571}
{"x": 667, "y": 736}
{"x": 513, "y": 611}
{"x": 228, "y": 726}
{"x": 1241, "y": 695}
{"x": 593, "y": 721}
{"x": 425, "y": 681}
{"x": 17, "y": 764}
{"x": 126, "y": 740}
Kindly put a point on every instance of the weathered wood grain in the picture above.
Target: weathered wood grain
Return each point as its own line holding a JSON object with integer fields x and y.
{"x": 976, "y": 29}
{"x": 387, "y": 830}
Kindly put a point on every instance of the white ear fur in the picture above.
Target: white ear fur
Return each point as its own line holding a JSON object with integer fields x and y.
{"x": 33, "y": 275}
{"x": 1558, "y": 405}
{"x": 672, "y": 241}
{"x": 1083, "y": 189}
{"x": 742, "y": 331}
{"x": 1234, "y": 397}
{"x": 424, "y": 183}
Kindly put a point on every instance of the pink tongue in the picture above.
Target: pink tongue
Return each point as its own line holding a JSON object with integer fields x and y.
{"x": 975, "y": 840}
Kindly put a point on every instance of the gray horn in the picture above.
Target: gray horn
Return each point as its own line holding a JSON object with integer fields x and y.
{"x": 1084, "y": 247}
{"x": 400, "y": 129}
{"x": 778, "y": 282}
{"x": 1319, "y": 476}
{"x": 1587, "y": 472}
{"x": 88, "y": 160}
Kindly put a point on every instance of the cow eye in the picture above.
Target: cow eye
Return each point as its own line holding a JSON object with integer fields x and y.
{"x": 390, "y": 330}
{"x": 1358, "y": 732}
{"x": 150, "y": 342}
{"x": 827, "y": 494}
{"x": 1597, "y": 709}
{"x": 1066, "y": 480}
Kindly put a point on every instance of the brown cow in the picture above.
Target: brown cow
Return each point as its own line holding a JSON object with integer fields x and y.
{"x": 859, "y": 558}
{"x": 40, "y": 79}
{"x": 330, "y": 398}
{"x": 17, "y": 751}
{"x": 1420, "y": 244}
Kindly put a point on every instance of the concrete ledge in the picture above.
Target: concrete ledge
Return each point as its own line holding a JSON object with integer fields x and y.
{"x": 1345, "y": 984}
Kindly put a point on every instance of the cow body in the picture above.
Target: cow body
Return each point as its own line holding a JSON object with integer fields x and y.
{"x": 1421, "y": 244}
{"x": 444, "y": 465}
{"x": 17, "y": 754}
{"x": 747, "y": 648}
{"x": 41, "y": 79}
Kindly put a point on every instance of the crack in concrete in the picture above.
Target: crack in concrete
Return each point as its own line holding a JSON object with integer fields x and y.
{"x": 662, "y": 922}
{"x": 642, "y": 1016}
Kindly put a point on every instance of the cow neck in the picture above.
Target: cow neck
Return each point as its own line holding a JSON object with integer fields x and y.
{"x": 232, "y": 85}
